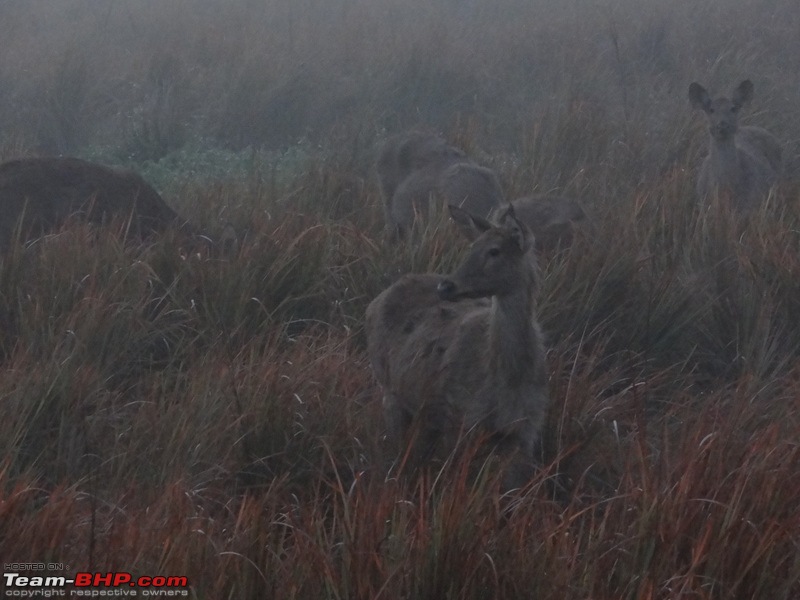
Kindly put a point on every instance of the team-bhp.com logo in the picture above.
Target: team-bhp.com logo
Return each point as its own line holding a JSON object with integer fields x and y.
{"x": 117, "y": 584}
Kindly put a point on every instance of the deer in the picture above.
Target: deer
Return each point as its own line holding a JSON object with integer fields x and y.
{"x": 551, "y": 218}
{"x": 455, "y": 352}
{"x": 411, "y": 151}
{"x": 38, "y": 195}
{"x": 416, "y": 169}
{"x": 743, "y": 162}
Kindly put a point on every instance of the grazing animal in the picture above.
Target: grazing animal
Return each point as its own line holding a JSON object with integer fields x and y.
{"x": 414, "y": 168}
{"x": 37, "y": 195}
{"x": 405, "y": 153}
{"x": 550, "y": 218}
{"x": 471, "y": 187}
{"x": 464, "y": 350}
{"x": 743, "y": 163}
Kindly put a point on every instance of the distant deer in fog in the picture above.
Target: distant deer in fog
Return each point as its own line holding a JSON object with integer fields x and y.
{"x": 743, "y": 163}
{"x": 417, "y": 168}
{"x": 550, "y": 218}
{"x": 464, "y": 350}
{"x": 38, "y": 195}
{"x": 407, "y": 152}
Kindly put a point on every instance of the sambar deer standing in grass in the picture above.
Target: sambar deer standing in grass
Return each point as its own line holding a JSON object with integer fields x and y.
{"x": 38, "y": 195}
{"x": 461, "y": 351}
{"x": 743, "y": 163}
{"x": 417, "y": 168}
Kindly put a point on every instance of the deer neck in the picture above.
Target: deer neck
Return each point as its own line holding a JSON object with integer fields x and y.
{"x": 724, "y": 158}
{"x": 512, "y": 337}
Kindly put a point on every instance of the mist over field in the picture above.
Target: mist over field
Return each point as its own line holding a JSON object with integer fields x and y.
{"x": 143, "y": 79}
{"x": 169, "y": 410}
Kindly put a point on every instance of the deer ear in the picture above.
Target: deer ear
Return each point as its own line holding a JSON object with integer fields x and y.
{"x": 743, "y": 93}
{"x": 699, "y": 97}
{"x": 470, "y": 224}
{"x": 520, "y": 232}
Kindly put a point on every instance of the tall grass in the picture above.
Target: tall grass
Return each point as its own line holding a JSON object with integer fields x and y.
{"x": 174, "y": 409}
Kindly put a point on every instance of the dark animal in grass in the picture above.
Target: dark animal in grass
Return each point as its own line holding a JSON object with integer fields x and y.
{"x": 552, "y": 219}
{"x": 465, "y": 350}
{"x": 416, "y": 169}
{"x": 38, "y": 195}
{"x": 405, "y": 153}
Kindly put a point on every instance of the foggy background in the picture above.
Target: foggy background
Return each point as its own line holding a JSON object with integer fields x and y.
{"x": 592, "y": 94}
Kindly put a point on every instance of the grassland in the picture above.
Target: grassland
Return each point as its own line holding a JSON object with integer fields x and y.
{"x": 167, "y": 410}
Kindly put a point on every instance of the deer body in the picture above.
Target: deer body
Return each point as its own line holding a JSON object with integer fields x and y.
{"x": 471, "y": 187}
{"x": 417, "y": 168}
{"x": 408, "y": 152}
{"x": 550, "y": 218}
{"x": 39, "y": 194}
{"x": 743, "y": 163}
{"x": 466, "y": 350}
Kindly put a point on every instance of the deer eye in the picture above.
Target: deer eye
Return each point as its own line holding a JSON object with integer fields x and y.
{"x": 493, "y": 252}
